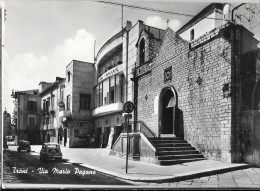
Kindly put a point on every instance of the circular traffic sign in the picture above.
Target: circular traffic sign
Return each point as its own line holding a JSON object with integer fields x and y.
{"x": 128, "y": 107}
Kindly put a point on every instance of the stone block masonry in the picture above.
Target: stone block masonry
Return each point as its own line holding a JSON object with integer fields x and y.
{"x": 200, "y": 69}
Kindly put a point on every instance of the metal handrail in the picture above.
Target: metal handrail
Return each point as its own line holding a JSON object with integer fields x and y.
{"x": 141, "y": 127}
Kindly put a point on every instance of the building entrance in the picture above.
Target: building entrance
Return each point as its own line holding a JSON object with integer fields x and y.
{"x": 167, "y": 111}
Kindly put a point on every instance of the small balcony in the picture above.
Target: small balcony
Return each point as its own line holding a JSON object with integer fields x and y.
{"x": 107, "y": 109}
{"x": 64, "y": 113}
{"x": 52, "y": 109}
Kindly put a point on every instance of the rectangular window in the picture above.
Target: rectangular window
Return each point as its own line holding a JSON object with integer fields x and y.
{"x": 68, "y": 103}
{"x": 31, "y": 122}
{"x": 112, "y": 90}
{"x": 97, "y": 96}
{"x": 52, "y": 100}
{"x": 62, "y": 92}
{"x": 47, "y": 119}
{"x": 84, "y": 101}
{"x": 106, "y": 92}
{"x": 47, "y": 104}
{"x": 101, "y": 94}
{"x": 32, "y": 106}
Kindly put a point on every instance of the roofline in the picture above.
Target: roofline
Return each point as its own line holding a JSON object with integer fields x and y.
{"x": 79, "y": 61}
{"x": 120, "y": 33}
{"x": 49, "y": 89}
{"x": 201, "y": 15}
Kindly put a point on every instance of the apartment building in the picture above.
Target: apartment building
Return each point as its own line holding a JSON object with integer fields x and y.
{"x": 28, "y": 114}
{"x": 114, "y": 63}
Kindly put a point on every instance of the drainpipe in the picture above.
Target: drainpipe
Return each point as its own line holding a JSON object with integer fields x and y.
{"x": 235, "y": 57}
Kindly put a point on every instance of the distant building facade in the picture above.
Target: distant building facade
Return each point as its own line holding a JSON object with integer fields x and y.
{"x": 7, "y": 125}
{"x": 27, "y": 111}
{"x": 49, "y": 93}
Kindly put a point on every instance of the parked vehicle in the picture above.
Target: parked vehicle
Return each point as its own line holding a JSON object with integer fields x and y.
{"x": 24, "y": 145}
{"x": 11, "y": 140}
{"x": 50, "y": 151}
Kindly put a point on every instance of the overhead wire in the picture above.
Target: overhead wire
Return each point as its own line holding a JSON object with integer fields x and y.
{"x": 154, "y": 10}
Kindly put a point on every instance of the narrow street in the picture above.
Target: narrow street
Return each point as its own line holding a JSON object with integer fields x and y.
{"x": 26, "y": 167}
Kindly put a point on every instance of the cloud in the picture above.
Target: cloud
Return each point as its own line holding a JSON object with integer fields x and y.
{"x": 158, "y": 22}
{"x": 25, "y": 71}
{"x": 175, "y": 24}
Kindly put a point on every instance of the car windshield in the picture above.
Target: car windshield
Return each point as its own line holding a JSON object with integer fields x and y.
{"x": 24, "y": 142}
{"x": 53, "y": 146}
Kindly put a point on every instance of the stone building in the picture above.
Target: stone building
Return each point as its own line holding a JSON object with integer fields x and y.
{"x": 7, "y": 126}
{"x": 199, "y": 90}
{"x": 49, "y": 93}
{"x": 27, "y": 111}
{"x": 113, "y": 85}
{"x": 75, "y": 105}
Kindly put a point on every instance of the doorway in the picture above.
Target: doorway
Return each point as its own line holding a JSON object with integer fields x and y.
{"x": 167, "y": 111}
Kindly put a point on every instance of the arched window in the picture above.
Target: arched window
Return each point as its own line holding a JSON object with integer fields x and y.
{"x": 192, "y": 34}
{"x": 142, "y": 51}
{"x": 68, "y": 76}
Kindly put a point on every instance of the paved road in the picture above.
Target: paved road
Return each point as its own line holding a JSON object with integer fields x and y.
{"x": 246, "y": 178}
{"x": 27, "y": 168}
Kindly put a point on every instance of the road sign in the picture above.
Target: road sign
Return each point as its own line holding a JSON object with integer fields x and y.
{"x": 128, "y": 107}
{"x": 127, "y": 115}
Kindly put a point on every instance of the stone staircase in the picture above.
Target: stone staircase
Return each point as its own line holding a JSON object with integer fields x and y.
{"x": 174, "y": 150}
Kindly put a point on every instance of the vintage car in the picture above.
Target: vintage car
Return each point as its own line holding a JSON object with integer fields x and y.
{"x": 50, "y": 151}
{"x": 10, "y": 140}
{"x": 24, "y": 145}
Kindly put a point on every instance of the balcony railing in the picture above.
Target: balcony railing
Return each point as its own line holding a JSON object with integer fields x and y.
{"x": 141, "y": 127}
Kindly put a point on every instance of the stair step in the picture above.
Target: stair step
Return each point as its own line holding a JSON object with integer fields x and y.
{"x": 168, "y": 141}
{"x": 181, "y": 152}
{"x": 159, "y": 149}
{"x": 166, "y": 138}
{"x": 178, "y": 161}
{"x": 174, "y": 157}
{"x": 173, "y": 145}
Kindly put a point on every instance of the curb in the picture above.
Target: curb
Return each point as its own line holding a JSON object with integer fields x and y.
{"x": 174, "y": 178}
{"x": 159, "y": 179}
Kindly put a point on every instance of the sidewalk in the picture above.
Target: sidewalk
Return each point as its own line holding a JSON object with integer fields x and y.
{"x": 99, "y": 160}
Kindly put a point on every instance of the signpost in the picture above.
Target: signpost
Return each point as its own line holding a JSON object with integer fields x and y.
{"x": 128, "y": 108}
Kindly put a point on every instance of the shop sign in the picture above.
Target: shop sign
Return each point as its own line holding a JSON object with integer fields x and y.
{"x": 110, "y": 72}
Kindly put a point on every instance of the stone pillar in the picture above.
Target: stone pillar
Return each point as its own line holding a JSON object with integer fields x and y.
{"x": 110, "y": 138}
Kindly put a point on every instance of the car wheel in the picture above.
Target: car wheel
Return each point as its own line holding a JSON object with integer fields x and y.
{"x": 19, "y": 150}
{"x": 28, "y": 150}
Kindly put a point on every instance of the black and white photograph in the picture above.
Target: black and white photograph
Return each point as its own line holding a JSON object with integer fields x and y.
{"x": 133, "y": 94}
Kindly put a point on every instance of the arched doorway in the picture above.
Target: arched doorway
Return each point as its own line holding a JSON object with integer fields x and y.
{"x": 167, "y": 111}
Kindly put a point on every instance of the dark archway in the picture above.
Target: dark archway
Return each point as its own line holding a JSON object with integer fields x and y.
{"x": 167, "y": 111}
